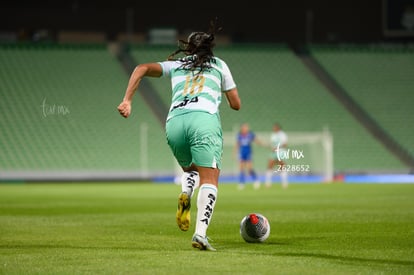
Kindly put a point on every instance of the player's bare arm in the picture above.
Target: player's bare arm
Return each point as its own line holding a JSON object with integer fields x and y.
{"x": 147, "y": 69}
{"x": 233, "y": 99}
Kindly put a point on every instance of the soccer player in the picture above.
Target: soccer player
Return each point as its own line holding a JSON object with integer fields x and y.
{"x": 199, "y": 79}
{"x": 279, "y": 142}
{"x": 244, "y": 147}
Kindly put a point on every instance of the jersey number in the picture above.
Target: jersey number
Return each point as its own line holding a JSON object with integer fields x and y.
{"x": 192, "y": 84}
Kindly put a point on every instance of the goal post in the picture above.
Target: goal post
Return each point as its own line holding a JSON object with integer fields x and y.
{"x": 308, "y": 154}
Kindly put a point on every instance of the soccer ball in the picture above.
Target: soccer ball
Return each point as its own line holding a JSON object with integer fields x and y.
{"x": 254, "y": 228}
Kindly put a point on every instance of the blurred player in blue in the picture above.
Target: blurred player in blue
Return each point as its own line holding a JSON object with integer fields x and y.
{"x": 244, "y": 147}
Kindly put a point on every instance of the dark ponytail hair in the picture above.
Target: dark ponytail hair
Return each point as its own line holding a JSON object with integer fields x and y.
{"x": 198, "y": 49}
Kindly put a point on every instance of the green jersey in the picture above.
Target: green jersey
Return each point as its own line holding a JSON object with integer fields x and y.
{"x": 194, "y": 91}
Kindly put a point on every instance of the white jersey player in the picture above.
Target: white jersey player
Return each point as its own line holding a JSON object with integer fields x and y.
{"x": 279, "y": 142}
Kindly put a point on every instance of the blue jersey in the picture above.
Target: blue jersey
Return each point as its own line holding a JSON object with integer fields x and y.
{"x": 245, "y": 145}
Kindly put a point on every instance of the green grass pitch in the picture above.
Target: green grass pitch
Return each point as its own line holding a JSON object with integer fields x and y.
{"x": 129, "y": 228}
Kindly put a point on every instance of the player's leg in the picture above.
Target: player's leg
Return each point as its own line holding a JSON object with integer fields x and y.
{"x": 207, "y": 158}
{"x": 242, "y": 175}
{"x": 190, "y": 180}
{"x": 280, "y": 161}
{"x": 269, "y": 172}
{"x": 206, "y": 201}
{"x": 180, "y": 148}
{"x": 252, "y": 173}
{"x": 283, "y": 174}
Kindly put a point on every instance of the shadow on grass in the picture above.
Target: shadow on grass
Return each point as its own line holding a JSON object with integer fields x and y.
{"x": 231, "y": 247}
{"x": 346, "y": 258}
{"x": 284, "y": 244}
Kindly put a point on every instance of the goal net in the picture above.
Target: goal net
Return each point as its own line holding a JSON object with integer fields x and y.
{"x": 309, "y": 154}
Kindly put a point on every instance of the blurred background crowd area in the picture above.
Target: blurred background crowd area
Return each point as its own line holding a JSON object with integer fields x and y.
{"x": 339, "y": 67}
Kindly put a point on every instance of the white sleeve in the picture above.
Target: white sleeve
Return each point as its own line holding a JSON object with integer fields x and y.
{"x": 167, "y": 66}
{"x": 227, "y": 82}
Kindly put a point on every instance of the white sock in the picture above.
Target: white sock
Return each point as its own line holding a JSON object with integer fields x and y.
{"x": 190, "y": 182}
{"x": 268, "y": 179}
{"x": 206, "y": 200}
{"x": 284, "y": 178}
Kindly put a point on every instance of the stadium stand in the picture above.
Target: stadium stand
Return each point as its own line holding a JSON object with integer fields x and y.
{"x": 380, "y": 79}
{"x": 144, "y": 54}
{"x": 59, "y": 114}
{"x": 275, "y": 86}
{"x": 302, "y": 103}
{"x": 58, "y": 110}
